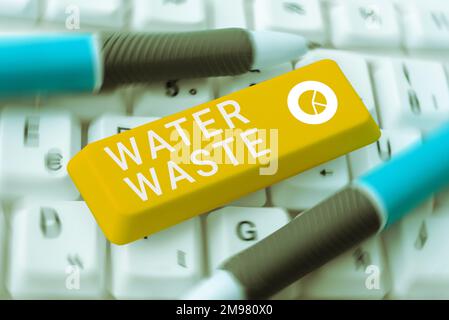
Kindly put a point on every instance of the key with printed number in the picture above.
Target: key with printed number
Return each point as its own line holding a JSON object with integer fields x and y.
{"x": 36, "y": 147}
{"x": 165, "y": 98}
{"x": 168, "y": 15}
{"x": 405, "y": 98}
{"x": 161, "y": 266}
{"x": 61, "y": 252}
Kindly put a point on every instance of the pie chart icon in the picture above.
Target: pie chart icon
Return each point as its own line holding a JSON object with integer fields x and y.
{"x": 312, "y": 102}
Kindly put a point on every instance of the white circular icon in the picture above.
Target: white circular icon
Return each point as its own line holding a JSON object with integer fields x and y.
{"x": 323, "y": 111}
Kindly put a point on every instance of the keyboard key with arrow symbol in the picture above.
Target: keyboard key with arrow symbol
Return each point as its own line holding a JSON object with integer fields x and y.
{"x": 308, "y": 188}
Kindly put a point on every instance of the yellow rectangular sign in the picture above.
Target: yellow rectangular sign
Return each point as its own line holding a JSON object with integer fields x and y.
{"x": 151, "y": 177}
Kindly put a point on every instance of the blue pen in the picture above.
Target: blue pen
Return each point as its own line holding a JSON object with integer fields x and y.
{"x": 52, "y": 63}
{"x": 370, "y": 204}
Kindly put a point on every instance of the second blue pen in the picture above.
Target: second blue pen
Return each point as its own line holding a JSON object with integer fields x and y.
{"x": 411, "y": 177}
{"x": 372, "y": 202}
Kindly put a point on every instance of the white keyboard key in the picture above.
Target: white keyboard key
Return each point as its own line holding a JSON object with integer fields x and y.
{"x": 390, "y": 143}
{"x": 108, "y": 125}
{"x": 227, "y": 85}
{"x": 364, "y": 24}
{"x": 56, "y": 250}
{"x": 417, "y": 250}
{"x": 36, "y": 147}
{"x": 255, "y": 199}
{"x": 426, "y": 25}
{"x": 360, "y": 273}
{"x": 2, "y": 252}
{"x": 354, "y": 67}
{"x": 227, "y": 14}
{"x": 312, "y": 186}
{"x": 297, "y": 16}
{"x": 98, "y": 13}
{"x": 21, "y": 10}
{"x": 163, "y": 266}
{"x": 169, "y": 15}
{"x": 87, "y": 107}
{"x": 165, "y": 98}
{"x": 411, "y": 93}
{"x": 233, "y": 229}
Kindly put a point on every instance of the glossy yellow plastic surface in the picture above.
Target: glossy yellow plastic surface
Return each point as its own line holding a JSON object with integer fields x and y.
{"x": 154, "y": 176}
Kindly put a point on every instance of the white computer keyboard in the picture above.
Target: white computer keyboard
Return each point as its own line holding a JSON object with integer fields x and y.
{"x": 393, "y": 52}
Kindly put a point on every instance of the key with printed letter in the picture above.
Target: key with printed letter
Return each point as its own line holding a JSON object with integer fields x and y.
{"x": 62, "y": 252}
{"x": 33, "y": 157}
{"x": 303, "y": 17}
{"x": 134, "y": 182}
{"x": 232, "y": 229}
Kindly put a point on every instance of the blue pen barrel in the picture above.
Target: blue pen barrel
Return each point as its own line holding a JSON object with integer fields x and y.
{"x": 411, "y": 177}
{"x": 47, "y": 64}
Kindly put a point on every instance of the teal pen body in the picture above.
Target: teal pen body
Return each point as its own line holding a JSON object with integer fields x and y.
{"x": 47, "y": 64}
{"x": 411, "y": 177}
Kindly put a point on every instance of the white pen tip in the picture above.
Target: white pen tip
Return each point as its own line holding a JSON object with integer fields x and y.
{"x": 220, "y": 286}
{"x": 272, "y": 48}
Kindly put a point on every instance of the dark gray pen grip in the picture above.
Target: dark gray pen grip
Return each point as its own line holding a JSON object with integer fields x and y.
{"x": 306, "y": 243}
{"x": 143, "y": 57}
